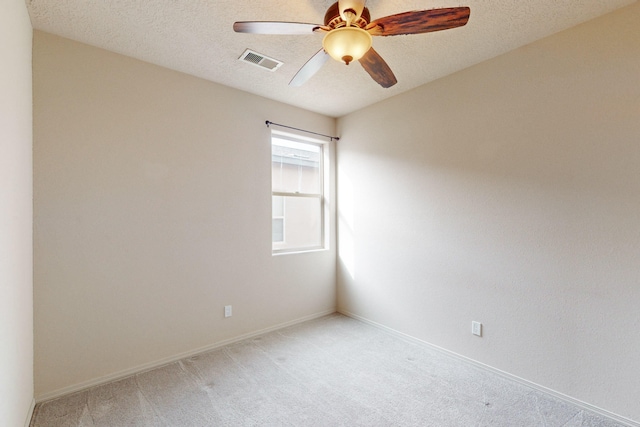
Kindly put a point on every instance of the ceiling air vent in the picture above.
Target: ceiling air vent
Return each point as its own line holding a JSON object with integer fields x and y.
{"x": 260, "y": 60}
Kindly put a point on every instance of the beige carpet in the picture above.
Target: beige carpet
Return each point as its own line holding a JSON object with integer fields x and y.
{"x": 333, "y": 371}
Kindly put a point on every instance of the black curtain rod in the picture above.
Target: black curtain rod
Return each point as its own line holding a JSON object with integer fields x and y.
{"x": 332, "y": 138}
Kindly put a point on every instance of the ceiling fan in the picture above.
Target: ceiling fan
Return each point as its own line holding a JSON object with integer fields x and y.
{"x": 348, "y": 29}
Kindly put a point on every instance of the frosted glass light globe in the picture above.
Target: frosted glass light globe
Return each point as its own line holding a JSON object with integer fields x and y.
{"x": 347, "y": 44}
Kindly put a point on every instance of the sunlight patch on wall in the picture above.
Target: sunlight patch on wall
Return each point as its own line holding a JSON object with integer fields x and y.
{"x": 346, "y": 219}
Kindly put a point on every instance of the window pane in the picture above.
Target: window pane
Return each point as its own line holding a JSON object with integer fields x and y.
{"x": 295, "y": 166}
{"x": 302, "y": 223}
{"x": 277, "y": 230}
{"x": 277, "y": 206}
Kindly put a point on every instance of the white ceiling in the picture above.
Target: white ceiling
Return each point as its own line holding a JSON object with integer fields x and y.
{"x": 196, "y": 37}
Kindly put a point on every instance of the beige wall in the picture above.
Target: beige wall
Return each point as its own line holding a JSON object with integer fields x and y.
{"x": 508, "y": 193}
{"x": 16, "y": 248}
{"x": 153, "y": 211}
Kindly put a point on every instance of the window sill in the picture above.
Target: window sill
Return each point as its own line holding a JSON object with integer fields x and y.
{"x": 298, "y": 251}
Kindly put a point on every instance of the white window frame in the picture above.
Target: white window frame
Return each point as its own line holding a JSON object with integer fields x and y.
{"x": 321, "y": 196}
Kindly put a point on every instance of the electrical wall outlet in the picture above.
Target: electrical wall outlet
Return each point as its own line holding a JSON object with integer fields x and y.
{"x": 227, "y": 311}
{"x": 476, "y": 328}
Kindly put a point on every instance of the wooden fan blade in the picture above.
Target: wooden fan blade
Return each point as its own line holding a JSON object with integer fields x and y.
{"x": 421, "y": 21}
{"x": 379, "y": 71}
{"x": 312, "y": 66}
{"x": 273, "y": 27}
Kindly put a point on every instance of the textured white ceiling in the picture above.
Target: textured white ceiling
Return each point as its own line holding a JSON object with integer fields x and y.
{"x": 196, "y": 37}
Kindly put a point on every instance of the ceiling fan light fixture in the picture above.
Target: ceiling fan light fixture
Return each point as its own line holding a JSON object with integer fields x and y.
{"x": 354, "y": 6}
{"x": 347, "y": 44}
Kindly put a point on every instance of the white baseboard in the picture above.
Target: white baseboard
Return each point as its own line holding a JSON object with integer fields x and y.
{"x": 27, "y": 423}
{"x": 165, "y": 361}
{"x": 583, "y": 405}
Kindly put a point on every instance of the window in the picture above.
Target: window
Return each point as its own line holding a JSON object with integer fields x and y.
{"x": 277, "y": 219}
{"x": 297, "y": 193}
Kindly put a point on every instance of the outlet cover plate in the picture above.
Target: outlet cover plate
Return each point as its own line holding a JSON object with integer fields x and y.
{"x": 476, "y": 328}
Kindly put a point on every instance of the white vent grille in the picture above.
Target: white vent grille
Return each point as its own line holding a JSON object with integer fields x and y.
{"x": 260, "y": 60}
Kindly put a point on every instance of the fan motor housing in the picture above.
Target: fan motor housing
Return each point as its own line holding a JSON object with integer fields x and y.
{"x": 333, "y": 19}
